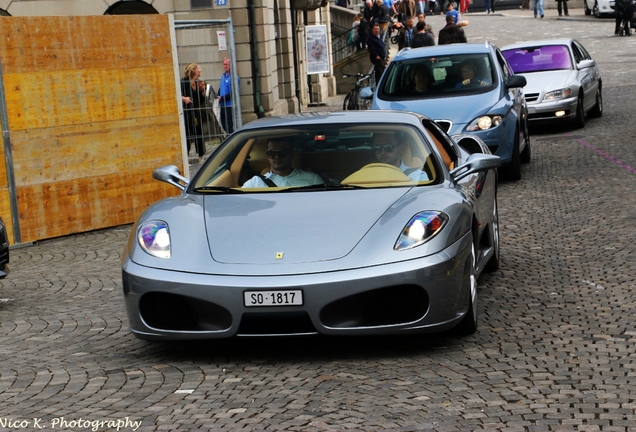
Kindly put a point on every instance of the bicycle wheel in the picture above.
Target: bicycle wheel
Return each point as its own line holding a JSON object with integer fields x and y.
{"x": 345, "y": 104}
{"x": 353, "y": 100}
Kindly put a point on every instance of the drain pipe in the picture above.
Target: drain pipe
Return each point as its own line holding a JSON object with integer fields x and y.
{"x": 295, "y": 49}
{"x": 256, "y": 74}
{"x": 310, "y": 84}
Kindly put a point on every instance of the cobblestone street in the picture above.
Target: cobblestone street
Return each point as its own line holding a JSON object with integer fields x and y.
{"x": 555, "y": 348}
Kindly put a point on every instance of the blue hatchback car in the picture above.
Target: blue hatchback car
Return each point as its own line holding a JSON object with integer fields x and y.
{"x": 466, "y": 88}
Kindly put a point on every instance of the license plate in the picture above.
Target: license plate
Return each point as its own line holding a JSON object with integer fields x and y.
{"x": 273, "y": 298}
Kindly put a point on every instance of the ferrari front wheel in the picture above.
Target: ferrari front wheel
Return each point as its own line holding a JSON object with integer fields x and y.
{"x": 468, "y": 324}
{"x": 493, "y": 262}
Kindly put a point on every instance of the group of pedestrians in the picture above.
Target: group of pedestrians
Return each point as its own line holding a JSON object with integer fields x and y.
{"x": 415, "y": 35}
{"x": 196, "y": 103}
{"x": 373, "y": 11}
{"x": 412, "y": 35}
{"x": 452, "y": 32}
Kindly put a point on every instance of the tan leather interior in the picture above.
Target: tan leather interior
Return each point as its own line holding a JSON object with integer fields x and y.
{"x": 442, "y": 151}
{"x": 408, "y": 158}
{"x": 415, "y": 162}
{"x": 333, "y": 165}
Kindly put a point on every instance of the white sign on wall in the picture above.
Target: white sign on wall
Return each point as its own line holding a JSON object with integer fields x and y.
{"x": 220, "y": 35}
{"x": 317, "y": 49}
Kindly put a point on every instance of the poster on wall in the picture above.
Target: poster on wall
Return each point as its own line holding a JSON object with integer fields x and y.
{"x": 317, "y": 49}
{"x": 220, "y": 36}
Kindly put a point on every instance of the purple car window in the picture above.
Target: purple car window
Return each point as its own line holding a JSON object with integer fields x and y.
{"x": 537, "y": 59}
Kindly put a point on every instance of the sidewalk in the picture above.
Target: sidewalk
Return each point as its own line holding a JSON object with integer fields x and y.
{"x": 552, "y": 13}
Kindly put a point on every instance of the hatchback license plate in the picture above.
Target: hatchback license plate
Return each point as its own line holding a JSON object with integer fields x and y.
{"x": 273, "y": 298}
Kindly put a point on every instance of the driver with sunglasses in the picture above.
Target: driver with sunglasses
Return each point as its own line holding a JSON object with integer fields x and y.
{"x": 282, "y": 172}
{"x": 389, "y": 151}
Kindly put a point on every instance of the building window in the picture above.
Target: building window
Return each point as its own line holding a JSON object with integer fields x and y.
{"x": 200, "y": 3}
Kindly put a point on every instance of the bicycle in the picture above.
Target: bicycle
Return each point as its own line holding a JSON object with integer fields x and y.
{"x": 353, "y": 101}
{"x": 395, "y": 25}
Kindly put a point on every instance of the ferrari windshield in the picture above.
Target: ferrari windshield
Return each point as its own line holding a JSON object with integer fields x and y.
{"x": 539, "y": 59}
{"x": 437, "y": 77}
{"x": 311, "y": 158}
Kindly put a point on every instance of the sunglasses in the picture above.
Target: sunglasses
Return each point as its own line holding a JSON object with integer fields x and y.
{"x": 388, "y": 148}
{"x": 280, "y": 153}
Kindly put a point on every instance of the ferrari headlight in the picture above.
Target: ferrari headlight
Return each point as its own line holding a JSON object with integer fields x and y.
{"x": 421, "y": 228}
{"x": 153, "y": 237}
{"x": 558, "y": 94}
{"x": 484, "y": 123}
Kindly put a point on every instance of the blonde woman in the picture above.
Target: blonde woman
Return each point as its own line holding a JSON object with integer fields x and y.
{"x": 193, "y": 99}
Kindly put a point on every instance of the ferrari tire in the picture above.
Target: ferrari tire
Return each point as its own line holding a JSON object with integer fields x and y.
{"x": 493, "y": 263}
{"x": 597, "y": 109}
{"x": 468, "y": 324}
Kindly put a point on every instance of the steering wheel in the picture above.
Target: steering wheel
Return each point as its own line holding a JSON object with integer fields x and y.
{"x": 475, "y": 83}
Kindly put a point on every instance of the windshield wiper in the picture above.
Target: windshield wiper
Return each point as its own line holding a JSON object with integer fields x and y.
{"x": 323, "y": 187}
{"x": 218, "y": 189}
{"x": 338, "y": 186}
{"x": 316, "y": 187}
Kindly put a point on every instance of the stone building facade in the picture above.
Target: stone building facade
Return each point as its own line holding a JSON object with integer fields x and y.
{"x": 269, "y": 38}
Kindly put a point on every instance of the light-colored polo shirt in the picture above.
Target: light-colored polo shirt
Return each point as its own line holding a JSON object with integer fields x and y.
{"x": 296, "y": 178}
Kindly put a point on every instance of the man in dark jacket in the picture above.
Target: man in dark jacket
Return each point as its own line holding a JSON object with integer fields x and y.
{"x": 377, "y": 50}
{"x": 363, "y": 33}
{"x": 422, "y": 38}
{"x": 367, "y": 11}
{"x": 451, "y": 33}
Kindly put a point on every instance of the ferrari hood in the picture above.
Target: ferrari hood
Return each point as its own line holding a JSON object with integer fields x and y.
{"x": 292, "y": 227}
{"x": 546, "y": 81}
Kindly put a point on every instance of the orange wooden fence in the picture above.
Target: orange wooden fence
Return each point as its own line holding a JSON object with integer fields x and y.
{"x": 91, "y": 104}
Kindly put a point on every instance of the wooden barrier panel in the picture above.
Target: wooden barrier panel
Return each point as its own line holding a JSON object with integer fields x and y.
{"x": 92, "y": 109}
